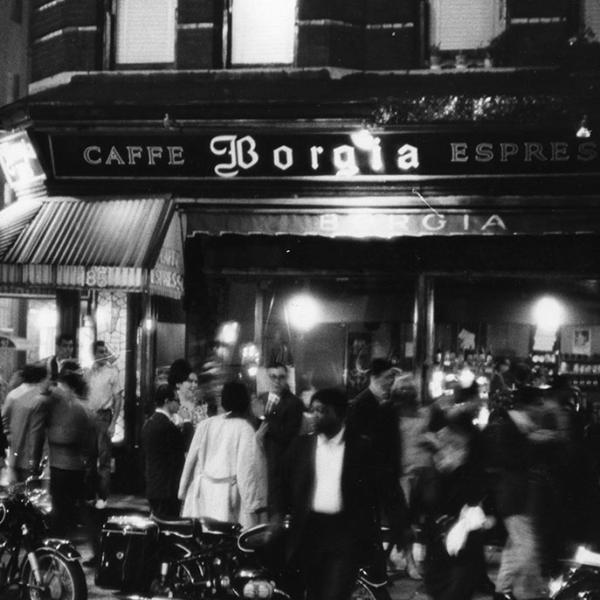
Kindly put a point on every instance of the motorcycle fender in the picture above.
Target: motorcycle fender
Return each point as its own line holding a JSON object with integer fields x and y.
{"x": 62, "y": 547}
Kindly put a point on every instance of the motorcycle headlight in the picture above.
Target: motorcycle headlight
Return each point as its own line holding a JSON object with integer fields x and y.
{"x": 555, "y": 585}
{"x": 258, "y": 589}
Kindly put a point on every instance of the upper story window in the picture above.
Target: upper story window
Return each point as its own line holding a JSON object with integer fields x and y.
{"x": 464, "y": 24}
{"x": 145, "y": 32}
{"x": 263, "y": 32}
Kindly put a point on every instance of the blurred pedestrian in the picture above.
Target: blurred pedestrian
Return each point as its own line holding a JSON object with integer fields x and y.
{"x": 70, "y": 431}
{"x": 163, "y": 446}
{"x": 23, "y": 418}
{"x": 372, "y": 414}
{"x": 224, "y": 476}
{"x": 453, "y": 499}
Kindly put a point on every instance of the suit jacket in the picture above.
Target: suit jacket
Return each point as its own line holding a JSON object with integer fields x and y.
{"x": 284, "y": 423}
{"x": 294, "y": 492}
{"x": 379, "y": 422}
{"x": 163, "y": 447}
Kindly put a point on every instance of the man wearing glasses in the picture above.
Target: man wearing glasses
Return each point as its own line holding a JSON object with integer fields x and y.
{"x": 282, "y": 420}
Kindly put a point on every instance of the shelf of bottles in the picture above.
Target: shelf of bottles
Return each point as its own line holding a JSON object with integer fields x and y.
{"x": 544, "y": 364}
{"x": 583, "y": 371}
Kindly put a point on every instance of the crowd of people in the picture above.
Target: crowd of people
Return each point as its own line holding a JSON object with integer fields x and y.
{"x": 342, "y": 475}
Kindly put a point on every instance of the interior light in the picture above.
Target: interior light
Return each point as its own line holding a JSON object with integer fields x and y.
{"x": 303, "y": 312}
{"x": 548, "y": 314}
{"x": 584, "y": 130}
{"x": 363, "y": 139}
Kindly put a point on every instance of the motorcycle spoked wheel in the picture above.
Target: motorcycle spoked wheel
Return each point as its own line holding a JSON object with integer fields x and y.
{"x": 180, "y": 583}
{"x": 62, "y": 579}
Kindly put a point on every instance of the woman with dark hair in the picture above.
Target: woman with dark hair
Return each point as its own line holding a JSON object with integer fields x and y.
{"x": 191, "y": 411}
{"x": 69, "y": 431}
{"x": 224, "y": 476}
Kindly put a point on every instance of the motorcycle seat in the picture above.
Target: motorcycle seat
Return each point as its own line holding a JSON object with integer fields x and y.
{"x": 179, "y": 527}
{"x": 215, "y": 526}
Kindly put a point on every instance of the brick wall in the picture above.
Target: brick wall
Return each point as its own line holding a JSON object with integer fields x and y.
{"x": 65, "y": 36}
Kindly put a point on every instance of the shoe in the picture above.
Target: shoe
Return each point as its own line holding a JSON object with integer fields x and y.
{"x": 100, "y": 504}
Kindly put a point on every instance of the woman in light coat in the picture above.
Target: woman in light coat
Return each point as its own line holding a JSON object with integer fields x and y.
{"x": 224, "y": 476}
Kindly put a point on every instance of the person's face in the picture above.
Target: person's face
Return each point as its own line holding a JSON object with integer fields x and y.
{"x": 101, "y": 355}
{"x": 326, "y": 420}
{"x": 64, "y": 349}
{"x": 384, "y": 381}
{"x": 277, "y": 379}
{"x": 189, "y": 387}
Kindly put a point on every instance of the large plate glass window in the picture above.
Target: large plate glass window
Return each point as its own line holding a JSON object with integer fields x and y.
{"x": 263, "y": 32}
{"x": 466, "y": 25}
{"x": 145, "y": 32}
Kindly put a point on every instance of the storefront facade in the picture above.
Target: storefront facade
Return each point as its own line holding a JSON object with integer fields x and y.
{"x": 424, "y": 223}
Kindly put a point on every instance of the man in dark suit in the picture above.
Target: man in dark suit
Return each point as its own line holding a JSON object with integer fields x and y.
{"x": 282, "y": 420}
{"x": 326, "y": 488}
{"x": 65, "y": 346}
{"x": 372, "y": 414}
{"x": 163, "y": 446}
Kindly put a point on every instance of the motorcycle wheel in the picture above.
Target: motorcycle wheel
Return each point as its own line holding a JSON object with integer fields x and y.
{"x": 362, "y": 592}
{"x": 62, "y": 579}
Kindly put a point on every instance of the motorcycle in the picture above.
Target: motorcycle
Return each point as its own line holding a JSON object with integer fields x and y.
{"x": 193, "y": 559}
{"x": 41, "y": 567}
{"x": 580, "y": 580}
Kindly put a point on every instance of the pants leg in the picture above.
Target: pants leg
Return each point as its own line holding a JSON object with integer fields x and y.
{"x": 104, "y": 454}
{"x": 520, "y": 562}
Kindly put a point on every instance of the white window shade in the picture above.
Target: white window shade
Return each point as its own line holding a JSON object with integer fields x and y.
{"x": 592, "y": 17}
{"x": 263, "y": 32}
{"x": 465, "y": 24}
{"x": 145, "y": 31}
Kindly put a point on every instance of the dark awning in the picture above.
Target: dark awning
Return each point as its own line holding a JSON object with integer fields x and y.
{"x": 98, "y": 243}
{"x": 388, "y": 224}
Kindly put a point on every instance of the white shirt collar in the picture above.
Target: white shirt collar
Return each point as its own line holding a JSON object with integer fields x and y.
{"x": 336, "y": 440}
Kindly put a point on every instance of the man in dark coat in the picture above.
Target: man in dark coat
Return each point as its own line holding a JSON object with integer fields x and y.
{"x": 326, "y": 487}
{"x": 282, "y": 421}
{"x": 163, "y": 446}
{"x": 372, "y": 414}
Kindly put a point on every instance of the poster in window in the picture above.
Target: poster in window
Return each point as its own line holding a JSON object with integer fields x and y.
{"x": 582, "y": 341}
{"x": 359, "y": 360}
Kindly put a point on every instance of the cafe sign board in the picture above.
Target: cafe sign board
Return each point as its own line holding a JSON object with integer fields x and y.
{"x": 322, "y": 156}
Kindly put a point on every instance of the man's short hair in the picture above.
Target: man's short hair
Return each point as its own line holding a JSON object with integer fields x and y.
{"x": 334, "y": 397}
{"x": 379, "y": 366}
{"x": 98, "y": 344}
{"x": 34, "y": 373}
{"x": 164, "y": 393}
{"x": 277, "y": 365}
{"x": 64, "y": 337}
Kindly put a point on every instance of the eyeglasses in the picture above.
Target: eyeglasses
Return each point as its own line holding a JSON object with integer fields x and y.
{"x": 276, "y": 376}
